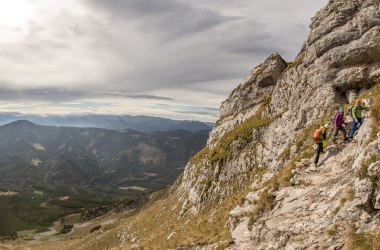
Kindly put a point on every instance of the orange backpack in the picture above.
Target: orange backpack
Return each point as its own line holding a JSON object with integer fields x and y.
{"x": 317, "y": 136}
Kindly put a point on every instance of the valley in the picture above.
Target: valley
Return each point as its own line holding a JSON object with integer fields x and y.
{"x": 48, "y": 172}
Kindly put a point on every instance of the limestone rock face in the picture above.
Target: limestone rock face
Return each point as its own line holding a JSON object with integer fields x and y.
{"x": 257, "y": 134}
{"x": 339, "y": 59}
{"x": 255, "y": 86}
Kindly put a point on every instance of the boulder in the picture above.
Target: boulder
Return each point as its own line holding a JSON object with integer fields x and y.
{"x": 377, "y": 201}
{"x": 363, "y": 193}
{"x": 374, "y": 169}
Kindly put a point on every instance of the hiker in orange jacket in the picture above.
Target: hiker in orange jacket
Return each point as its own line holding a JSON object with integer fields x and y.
{"x": 319, "y": 137}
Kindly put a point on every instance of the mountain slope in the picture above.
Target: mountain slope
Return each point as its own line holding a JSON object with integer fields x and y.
{"x": 62, "y": 150}
{"x": 251, "y": 186}
{"x": 59, "y": 170}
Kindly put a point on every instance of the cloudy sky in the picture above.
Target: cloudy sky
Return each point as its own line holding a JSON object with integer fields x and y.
{"x": 172, "y": 58}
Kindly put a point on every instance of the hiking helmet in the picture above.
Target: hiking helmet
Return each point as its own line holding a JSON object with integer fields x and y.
{"x": 340, "y": 108}
{"x": 358, "y": 102}
{"x": 326, "y": 125}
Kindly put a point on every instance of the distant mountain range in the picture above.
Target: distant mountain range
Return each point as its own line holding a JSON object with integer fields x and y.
{"x": 54, "y": 156}
{"x": 61, "y": 170}
{"x": 138, "y": 123}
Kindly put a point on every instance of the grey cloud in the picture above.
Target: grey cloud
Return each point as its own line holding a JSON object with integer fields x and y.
{"x": 136, "y": 96}
{"x": 250, "y": 38}
{"x": 197, "y": 113}
{"x": 46, "y": 94}
{"x": 212, "y": 109}
{"x": 60, "y": 94}
{"x": 186, "y": 109}
{"x": 227, "y": 54}
{"x": 135, "y": 47}
{"x": 173, "y": 17}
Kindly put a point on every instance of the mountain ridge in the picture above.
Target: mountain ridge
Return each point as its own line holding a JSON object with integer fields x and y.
{"x": 145, "y": 124}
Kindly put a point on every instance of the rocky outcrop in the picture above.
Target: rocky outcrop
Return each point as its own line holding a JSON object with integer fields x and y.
{"x": 258, "y": 84}
{"x": 339, "y": 59}
{"x": 261, "y": 128}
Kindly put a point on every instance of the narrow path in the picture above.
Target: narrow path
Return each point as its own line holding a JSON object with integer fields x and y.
{"x": 315, "y": 198}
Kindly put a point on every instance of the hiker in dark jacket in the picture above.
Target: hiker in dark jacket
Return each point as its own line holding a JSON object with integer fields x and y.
{"x": 357, "y": 119}
{"x": 339, "y": 125}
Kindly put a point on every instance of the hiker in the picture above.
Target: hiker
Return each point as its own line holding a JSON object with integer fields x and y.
{"x": 357, "y": 120}
{"x": 337, "y": 109}
{"x": 319, "y": 137}
{"x": 339, "y": 125}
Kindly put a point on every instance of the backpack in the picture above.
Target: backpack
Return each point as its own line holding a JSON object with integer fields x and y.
{"x": 317, "y": 136}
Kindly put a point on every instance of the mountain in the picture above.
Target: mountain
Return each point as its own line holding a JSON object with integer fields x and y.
{"x": 253, "y": 185}
{"x": 139, "y": 123}
{"x": 85, "y": 167}
{"x": 93, "y": 156}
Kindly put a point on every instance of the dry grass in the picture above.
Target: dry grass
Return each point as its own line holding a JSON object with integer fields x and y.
{"x": 266, "y": 202}
{"x": 348, "y": 196}
{"x": 298, "y": 61}
{"x": 363, "y": 241}
{"x": 154, "y": 224}
{"x": 151, "y": 227}
{"x": 373, "y": 94}
{"x": 332, "y": 231}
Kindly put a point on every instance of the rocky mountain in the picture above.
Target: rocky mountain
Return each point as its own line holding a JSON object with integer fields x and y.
{"x": 252, "y": 186}
{"x": 146, "y": 124}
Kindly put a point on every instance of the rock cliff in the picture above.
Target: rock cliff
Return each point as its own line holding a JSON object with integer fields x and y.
{"x": 262, "y": 140}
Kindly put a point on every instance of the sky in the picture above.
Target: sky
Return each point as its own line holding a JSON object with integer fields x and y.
{"x": 171, "y": 58}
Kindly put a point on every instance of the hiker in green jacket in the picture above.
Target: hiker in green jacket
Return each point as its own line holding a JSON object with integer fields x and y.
{"x": 357, "y": 119}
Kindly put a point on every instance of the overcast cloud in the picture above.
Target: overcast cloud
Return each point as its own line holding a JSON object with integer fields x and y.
{"x": 173, "y": 58}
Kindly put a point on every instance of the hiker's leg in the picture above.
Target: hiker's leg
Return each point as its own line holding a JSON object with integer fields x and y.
{"x": 335, "y": 133}
{"x": 340, "y": 128}
{"x": 318, "y": 153}
{"x": 360, "y": 120}
{"x": 343, "y": 129}
{"x": 353, "y": 128}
